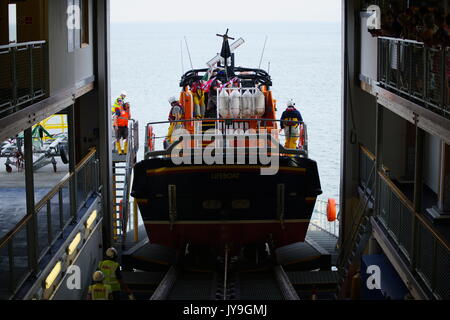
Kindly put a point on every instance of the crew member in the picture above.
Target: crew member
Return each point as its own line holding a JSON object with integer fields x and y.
{"x": 122, "y": 118}
{"x": 119, "y": 102}
{"x": 199, "y": 100}
{"x": 290, "y": 123}
{"x": 176, "y": 113}
{"x": 113, "y": 277}
{"x": 99, "y": 290}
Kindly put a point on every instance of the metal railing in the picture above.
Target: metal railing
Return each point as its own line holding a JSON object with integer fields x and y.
{"x": 425, "y": 250}
{"x": 417, "y": 72}
{"x": 29, "y": 242}
{"x": 23, "y": 75}
{"x": 320, "y": 219}
{"x": 366, "y": 163}
{"x": 252, "y": 129}
{"x": 131, "y": 160}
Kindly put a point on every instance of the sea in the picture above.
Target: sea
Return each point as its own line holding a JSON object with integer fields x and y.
{"x": 304, "y": 60}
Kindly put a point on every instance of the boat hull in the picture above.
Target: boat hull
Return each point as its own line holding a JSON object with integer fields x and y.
{"x": 224, "y": 205}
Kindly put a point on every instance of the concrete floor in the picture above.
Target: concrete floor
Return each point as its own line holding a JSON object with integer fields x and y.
{"x": 12, "y": 192}
{"x": 13, "y": 210}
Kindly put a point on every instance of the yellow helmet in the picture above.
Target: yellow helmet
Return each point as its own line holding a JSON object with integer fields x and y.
{"x": 111, "y": 253}
{"x": 98, "y": 276}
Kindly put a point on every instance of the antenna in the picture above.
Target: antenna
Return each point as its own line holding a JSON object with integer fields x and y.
{"x": 189, "y": 53}
{"x": 262, "y": 54}
{"x": 268, "y": 69}
{"x": 182, "y": 58}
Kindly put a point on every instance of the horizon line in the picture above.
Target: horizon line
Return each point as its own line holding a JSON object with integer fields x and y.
{"x": 220, "y": 21}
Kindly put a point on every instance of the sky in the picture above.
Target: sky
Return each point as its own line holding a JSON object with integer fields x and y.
{"x": 236, "y": 10}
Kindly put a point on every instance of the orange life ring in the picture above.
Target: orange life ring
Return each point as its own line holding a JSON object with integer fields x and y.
{"x": 121, "y": 209}
{"x": 331, "y": 210}
{"x": 151, "y": 139}
{"x": 302, "y": 137}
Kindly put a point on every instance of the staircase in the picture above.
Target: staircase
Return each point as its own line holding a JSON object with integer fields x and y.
{"x": 355, "y": 244}
{"x": 122, "y": 166}
{"x": 119, "y": 195}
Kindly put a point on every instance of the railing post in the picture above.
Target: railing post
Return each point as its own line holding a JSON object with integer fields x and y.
{"x": 49, "y": 223}
{"x": 61, "y": 209}
{"x": 32, "y": 230}
{"x": 30, "y": 49}
{"x": 12, "y": 282}
{"x": 13, "y": 51}
{"x": 443, "y": 80}
{"x": 410, "y": 68}
{"x": 378, "y": 154}
{"x": 418, "y": 189}
{"x": 425, "y": 76}
{"x": 72, "y": 163}
{"x": 399, "y": 60}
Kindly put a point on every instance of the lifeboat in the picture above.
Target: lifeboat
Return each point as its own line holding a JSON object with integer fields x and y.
{"x": 254, "y": 192}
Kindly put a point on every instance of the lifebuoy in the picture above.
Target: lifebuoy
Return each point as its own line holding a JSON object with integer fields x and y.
{"x": 302, "y": 137}
{"x": 331, "y": 210}
{"x": 151, "y": 139}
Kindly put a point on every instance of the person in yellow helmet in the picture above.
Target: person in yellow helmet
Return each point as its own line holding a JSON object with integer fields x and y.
{"x": 122, "y": 118}
{"x": 99, "y": 290}
{"x": 113, "y": 276}
{"x": 176, "y": 113}
{"x": 119, "y": 102}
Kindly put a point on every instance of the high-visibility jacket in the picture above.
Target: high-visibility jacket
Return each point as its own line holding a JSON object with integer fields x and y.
{"x": 123, "y": 118}
{"x": 117, "y": 105}
{"x": 100, "y": 291}
{"x": 109, "y": 268}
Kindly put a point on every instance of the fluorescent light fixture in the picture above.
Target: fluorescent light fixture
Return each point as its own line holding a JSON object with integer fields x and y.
{"x": 53, "y": 275}
{"x": 241, "y": 204}
{"x": 90, "y": 221}
{"x": 74, "y": 244}
{"x": 212, "y": 204}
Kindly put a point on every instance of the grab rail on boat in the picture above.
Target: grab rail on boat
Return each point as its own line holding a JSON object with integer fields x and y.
{"x": 261, "y": 125}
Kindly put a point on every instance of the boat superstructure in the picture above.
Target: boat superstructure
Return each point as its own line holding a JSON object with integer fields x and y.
{"x": 226, "y": 180}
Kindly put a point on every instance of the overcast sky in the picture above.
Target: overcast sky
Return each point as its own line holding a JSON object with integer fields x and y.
{"x": 236, "y": 10}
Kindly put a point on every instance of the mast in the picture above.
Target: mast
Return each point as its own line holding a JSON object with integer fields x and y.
{"x": 226, "y": 52}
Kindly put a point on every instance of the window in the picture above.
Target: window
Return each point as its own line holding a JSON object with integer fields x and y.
{"x": 84, "y": 23}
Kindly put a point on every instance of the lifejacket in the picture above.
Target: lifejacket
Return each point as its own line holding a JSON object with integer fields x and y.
{"x": 109, "y": 269}
{"x": 199, "y": 102}
{"x": 100, "y": 291}
{"x": 291, "y": 122}
{"x": 291, "y": 118}
{"x": 122, "y": 120}
{"x": 173, "y": 114}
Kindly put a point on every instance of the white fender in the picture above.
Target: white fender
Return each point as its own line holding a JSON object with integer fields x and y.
{"x": 247, "y": 105}
{"x": 235, "y": 104}
{"x": 224, "y": 104}
{"x": 260, "y": 103}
